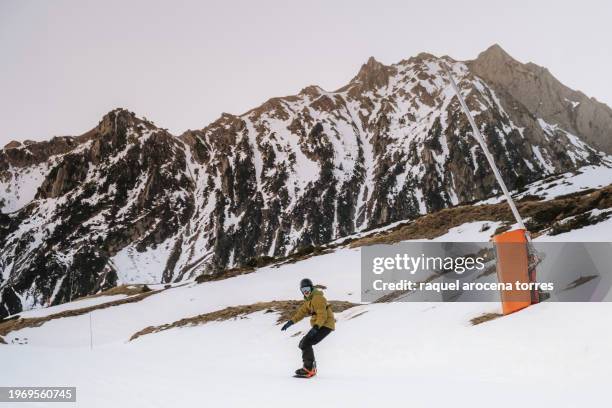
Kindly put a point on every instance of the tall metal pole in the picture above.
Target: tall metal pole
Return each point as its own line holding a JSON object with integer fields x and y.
{"x": 485, "y": 149}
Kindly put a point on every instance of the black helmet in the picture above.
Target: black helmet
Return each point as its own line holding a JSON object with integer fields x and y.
{"x": 306, "y": 283}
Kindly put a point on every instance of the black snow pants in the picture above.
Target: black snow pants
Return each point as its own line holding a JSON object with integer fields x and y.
{"x": 308, "y": 341}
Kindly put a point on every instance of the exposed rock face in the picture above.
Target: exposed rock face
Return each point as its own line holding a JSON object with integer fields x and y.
{"x": 126, "y": 185}
{"x": 545, "y": 97}
{"x": 12, "y": 144}
{"x": 128, "y": 202}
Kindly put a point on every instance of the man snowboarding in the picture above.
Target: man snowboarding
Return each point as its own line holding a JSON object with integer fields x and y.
{"x": 322, "y": 322}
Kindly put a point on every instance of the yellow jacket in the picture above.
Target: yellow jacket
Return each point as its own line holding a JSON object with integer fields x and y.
{"x": 321, "y": 313}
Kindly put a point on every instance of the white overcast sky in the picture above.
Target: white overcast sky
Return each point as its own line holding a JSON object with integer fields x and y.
{"x": 65, "y": 63}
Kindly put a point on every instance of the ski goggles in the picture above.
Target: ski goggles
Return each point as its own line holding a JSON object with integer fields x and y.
{"x": 306, "y": 290}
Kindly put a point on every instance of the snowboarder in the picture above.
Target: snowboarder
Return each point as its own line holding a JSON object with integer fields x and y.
{"x": 322, "y": 322}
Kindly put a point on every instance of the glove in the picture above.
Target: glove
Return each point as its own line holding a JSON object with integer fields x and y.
{"x": 286, "y": 325}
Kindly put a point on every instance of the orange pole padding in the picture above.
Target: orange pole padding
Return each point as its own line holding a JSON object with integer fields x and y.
{"x": 512, "y": 266}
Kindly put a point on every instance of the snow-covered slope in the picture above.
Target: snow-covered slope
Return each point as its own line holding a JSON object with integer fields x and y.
{"x": 585, "y": 178}
{"x": 424, "y": 353}
{"x": 19, "y": 187}
{"x": 339, "y": 270}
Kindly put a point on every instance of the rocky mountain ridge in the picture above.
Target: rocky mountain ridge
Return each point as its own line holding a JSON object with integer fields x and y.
{"x": 128, "y": 202}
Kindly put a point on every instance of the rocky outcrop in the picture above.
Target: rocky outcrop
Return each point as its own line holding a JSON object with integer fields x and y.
{"x": 544, "y": 96}
{"x": 118, "y": 188}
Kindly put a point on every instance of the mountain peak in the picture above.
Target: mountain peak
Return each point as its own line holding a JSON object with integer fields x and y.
{"x": 372, "y": 62}
{"x": 371, "y": 67}
{"x": 373, "y": 74}
{"x": 495, "y": 53}
{"x": 119, "y": 113}
{"x": 12, "y": 144}
{"x": 120, "y": 118}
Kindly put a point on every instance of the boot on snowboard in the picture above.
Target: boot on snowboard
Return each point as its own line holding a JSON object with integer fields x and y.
{"x": 305, "y": 372}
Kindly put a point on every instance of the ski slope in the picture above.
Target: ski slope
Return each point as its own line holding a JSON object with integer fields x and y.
{"x": 424, "y": 354}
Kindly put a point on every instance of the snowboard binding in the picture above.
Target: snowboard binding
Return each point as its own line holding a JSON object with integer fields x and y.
{"x": 305, "y": 372}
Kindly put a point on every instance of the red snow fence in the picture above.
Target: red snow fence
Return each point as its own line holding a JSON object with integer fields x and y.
{"x": 513, "y": 270}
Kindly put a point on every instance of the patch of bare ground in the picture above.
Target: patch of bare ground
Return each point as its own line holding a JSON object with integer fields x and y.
{"x": 18, "y": 323}
{"x": 128, "y": 290}
{"x": 227, "y": 273}
{"x": 358, "y": 314}
{"x": 485, "y": 317}
{"x": 543, "y": 216}
{"x": 259, "y": 262}
{"x": 579, "y": 221}
{"x": 284, "y": 308}
{"x": 580, "y": 281}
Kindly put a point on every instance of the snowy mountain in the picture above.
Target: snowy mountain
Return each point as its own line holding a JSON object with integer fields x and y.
{"x": 127, "y": 202}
